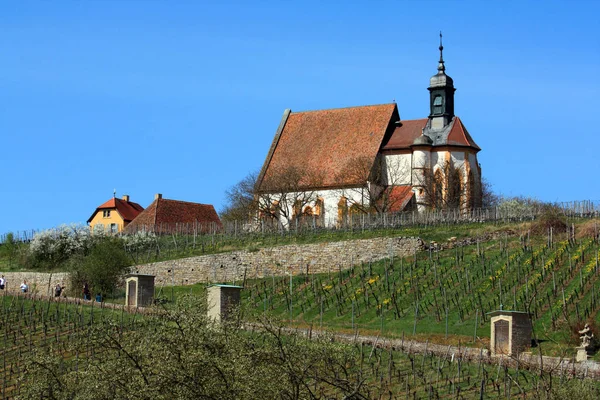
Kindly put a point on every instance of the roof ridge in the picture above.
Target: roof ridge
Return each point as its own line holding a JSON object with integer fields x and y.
{"x": 462, "y": 129}
{"x": 415, "y": 119}
{"x": 188, "y": 202}
{"x": 467, "y": 135}
{"x": 344, "y": 108}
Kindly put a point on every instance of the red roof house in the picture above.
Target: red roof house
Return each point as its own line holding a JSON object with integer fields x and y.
{"x": 170, "y": 216}
{"x": 114, "y": 215}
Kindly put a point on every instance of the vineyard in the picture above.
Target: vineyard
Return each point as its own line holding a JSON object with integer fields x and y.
{"x": 29, "y": 325}
{"x": 435, "y": 294}
{"x": 54, "y": 349}
{"x": 60, "y": 350}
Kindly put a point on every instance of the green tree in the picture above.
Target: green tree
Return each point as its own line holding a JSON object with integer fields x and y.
{"x": 103, "y": 267}
{"x": 8, "y": 248}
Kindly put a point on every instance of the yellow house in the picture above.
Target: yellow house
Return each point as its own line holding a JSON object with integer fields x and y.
{"x": 114, "y": 215}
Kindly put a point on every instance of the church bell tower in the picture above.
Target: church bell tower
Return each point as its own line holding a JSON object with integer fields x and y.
{"x": 441, "y": 95}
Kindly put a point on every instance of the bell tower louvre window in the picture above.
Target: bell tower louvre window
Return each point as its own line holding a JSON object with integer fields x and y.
{"x": 437, "y": 104}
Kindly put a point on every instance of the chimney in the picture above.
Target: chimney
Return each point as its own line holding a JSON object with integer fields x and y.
{"x": 157, "y": 196}
{"x": 126, "y": 197}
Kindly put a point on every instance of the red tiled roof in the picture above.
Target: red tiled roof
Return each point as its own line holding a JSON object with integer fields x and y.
{"x": 399, "y": 197}
{"x": 460, "y": 136}
{"x": 325, "y": 143}
{"x": 127, "y": 209}
{"x": 167, "y": 213}
{"x": 405, "y": 134}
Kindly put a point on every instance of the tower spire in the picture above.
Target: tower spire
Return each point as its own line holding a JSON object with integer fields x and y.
{"x": 441, "y": 66}
{"x": 441, "y": 89}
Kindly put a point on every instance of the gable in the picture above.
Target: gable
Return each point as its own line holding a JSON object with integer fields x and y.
{"x": 128, "y": 210}
{"x": 316, "y": 147}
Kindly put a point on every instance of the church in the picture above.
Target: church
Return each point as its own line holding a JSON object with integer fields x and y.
{"x": 331, "y": 164}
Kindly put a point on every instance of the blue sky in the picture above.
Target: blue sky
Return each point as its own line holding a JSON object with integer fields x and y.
{"x": 183, "y": 98}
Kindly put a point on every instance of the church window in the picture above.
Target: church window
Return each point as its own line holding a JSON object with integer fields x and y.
{"x": 297, "y": 209}
{"x": 437, "y": 104}
{"x": 342, "y": 211}
{"x": 437, "y": 200}
{"x": 319, "y": 206}
{"x": 308, "y": 211}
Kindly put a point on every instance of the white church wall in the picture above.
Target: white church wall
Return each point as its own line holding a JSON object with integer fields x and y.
{"x": 397, "y": 169}
{"x": 331, "y": 199}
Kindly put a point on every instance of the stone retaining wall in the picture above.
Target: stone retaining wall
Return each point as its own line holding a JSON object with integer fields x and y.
{"x": 307, "y": 258}
{"x": 41, "y": 283}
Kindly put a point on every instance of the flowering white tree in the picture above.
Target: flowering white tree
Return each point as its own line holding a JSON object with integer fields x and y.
{"x": 139, "y": 243}
{"x": 52, "y": 247}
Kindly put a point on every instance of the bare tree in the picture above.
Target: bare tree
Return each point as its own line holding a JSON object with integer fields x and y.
{"x": 288, "y": 194}
{"x": 489, "y": 198}
{"x": 447, "y": 188}
{"x": 241, "y": 201}
{"x": 377, "y": 193}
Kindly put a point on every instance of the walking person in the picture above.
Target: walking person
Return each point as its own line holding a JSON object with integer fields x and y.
{"x": 86, "y": 292}
{"x": 24, "y": 286}
{"x": 2, "y": 282}
{"x": 58, "y": 290}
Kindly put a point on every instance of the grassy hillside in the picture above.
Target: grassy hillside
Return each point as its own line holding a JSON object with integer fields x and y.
{"x": 444, "y": 296}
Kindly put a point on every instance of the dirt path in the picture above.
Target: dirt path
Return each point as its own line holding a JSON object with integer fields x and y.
{"x": 555, "y": 365}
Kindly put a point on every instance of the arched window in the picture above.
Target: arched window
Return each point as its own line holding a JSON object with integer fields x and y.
{"x": 460, "y": 191}
{"x": 297, "y": 209}
{"x": 320, "y": 211}
{"x": 319, "y": 206}
{"x": 342, "y": 211}
{"x": 437, "y": 192}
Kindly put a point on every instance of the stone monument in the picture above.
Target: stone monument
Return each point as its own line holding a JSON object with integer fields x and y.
{"x": 586, "y": 338}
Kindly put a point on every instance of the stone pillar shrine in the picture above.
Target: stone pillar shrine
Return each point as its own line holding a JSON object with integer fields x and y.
{"x": 222, "y": 300}
{"x": 139, "y": 290}
{"x": 510, "y": 332}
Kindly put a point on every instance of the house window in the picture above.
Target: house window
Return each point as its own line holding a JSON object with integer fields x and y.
{"x": 106, "y": 213}
{"x": 437, "y": 104}
{"x": 114, "y": 228}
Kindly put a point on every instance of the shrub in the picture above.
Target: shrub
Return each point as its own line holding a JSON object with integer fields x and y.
{"x": 103, "y": 268}
{"x": 589, "y": 229}
{"x": 551, "y": 216}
